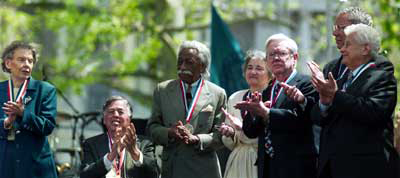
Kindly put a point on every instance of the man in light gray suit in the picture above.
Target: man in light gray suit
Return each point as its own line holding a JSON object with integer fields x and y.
{"x": 184, "y": 116}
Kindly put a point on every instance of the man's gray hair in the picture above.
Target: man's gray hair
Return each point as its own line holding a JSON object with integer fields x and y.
{"x": 112, "y": 99}
{"x": 364, "y": 34}
{"x": 291, "y": 44}
{"x": 203, "y": 54}
{"x": 356, "y": 15}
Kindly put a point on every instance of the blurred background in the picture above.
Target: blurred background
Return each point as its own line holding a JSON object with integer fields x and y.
{"x": 93, "y": 49}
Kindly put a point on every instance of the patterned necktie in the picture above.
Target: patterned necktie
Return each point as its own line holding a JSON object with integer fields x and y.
{"x": 276, "y": 91}
{"x": 189, "y": 95}
{"x": 348, "y": 81}
{"x": 268, "y": 142}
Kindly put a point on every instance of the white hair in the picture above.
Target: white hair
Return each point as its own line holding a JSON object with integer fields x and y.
{"x": 364, "y": 34}
{"x": 290, "y": 43}
{"x": 203, "y": 54}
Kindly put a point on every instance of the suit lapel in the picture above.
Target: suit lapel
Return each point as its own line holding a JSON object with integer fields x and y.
{"x": 102, "y": 145}
{"x": 359, "y": 82}
{"x": 282, "y": 97}
{"x": 175, "y": 97}
{"x": 30, "y": 92}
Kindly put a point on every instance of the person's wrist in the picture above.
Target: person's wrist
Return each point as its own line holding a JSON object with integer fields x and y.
{"x": 7, "y": 124}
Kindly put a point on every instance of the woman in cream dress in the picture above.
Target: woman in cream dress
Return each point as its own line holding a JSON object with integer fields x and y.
{"x": 241, "y": 161}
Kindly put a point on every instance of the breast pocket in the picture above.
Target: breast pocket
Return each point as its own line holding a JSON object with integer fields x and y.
{"x": 205, "y": 120}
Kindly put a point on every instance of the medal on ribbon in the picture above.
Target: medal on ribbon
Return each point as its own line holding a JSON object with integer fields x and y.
{"x": 190, "y": 110}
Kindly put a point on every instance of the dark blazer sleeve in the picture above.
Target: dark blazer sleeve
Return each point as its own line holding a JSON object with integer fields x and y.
{"x": 92, "y": 166}
{"x": 384, "y": 64}
{"x": 149, "y": 168}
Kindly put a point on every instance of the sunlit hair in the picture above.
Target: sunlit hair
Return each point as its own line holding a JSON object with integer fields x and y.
{"x": 112, "y": 99}
{"x": 364, "y": 34}
{"x": 356, "y": 15}
{"x": 290, "y": 44}
{"x": 203, "y": 54}
{"x": 255, "y": 55}
{"x": 8, "y": 52}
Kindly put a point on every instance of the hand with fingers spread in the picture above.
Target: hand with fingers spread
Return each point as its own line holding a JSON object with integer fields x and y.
{"x": 130, "y": 142}
{"x": 234, "y": 121}
{"x": 293, "y": 93}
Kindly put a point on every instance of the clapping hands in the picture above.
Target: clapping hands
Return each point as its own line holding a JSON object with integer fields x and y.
{"x": 181, "y": 133}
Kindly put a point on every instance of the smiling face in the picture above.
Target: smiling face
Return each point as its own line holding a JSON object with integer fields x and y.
{"x": 189, "y": 65}
{"x": 281, "y": 61}
{"x": 21, "y": 64}
{"x": 256, "y": 73}
{"x": 117, "y": 114}
{"x": 353, "y": 53}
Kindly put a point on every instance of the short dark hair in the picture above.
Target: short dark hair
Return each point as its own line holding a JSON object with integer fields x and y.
{"x": 8, "y": 52}
{"x": 112, "y": 99}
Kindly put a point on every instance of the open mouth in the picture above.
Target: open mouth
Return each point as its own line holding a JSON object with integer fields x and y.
{"x": 115, "y": 123}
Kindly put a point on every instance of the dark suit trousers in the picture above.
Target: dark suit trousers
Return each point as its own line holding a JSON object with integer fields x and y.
{"x": 290, "y": 167}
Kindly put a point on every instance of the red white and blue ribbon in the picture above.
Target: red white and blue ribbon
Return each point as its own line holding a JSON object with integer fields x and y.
{"x": 189, "y": 110}
{"x": 21, "y": 92}
{"x": 363, "y": 68}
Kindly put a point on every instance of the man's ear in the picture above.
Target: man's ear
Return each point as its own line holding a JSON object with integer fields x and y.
{"x": 366, "y": 49}
{"x": 203, "y": 68}
{"x": 295, "y": 56}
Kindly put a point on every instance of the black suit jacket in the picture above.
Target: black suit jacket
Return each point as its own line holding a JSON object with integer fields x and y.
{"x": 291, "y": 134}
{"x": 336, "y": 67}
{"x": 357, "y": 132}
{"x": 95, "y": 148}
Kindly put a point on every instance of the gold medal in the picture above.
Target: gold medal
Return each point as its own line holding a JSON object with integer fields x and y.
{"x": 189, "y": 127}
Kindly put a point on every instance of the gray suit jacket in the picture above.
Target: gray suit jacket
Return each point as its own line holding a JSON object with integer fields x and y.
{"x": 178, "y": 159}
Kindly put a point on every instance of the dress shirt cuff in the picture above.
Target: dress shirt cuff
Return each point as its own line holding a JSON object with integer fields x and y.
{"x": 107, "y": 163}
{"x": 138, "y": 162}
{"x": 324, "y": 108}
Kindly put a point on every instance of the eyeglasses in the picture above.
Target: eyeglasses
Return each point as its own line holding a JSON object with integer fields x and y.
{"x": 339, "y": 27}
{"x": 280, "y": 54}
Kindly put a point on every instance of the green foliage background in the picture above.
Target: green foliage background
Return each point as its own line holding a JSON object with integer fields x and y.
{"x": 82, "y": 42}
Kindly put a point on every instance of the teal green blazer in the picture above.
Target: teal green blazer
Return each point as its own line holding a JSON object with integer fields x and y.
{"x": 32, "y": 151}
